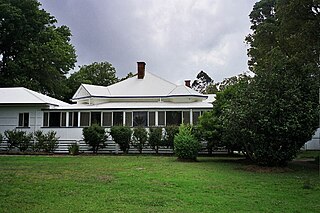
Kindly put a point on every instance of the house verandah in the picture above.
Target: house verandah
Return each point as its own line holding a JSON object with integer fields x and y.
{"x": 69, "y": 124}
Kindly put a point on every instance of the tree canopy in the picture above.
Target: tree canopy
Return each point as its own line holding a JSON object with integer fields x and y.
{"x": 271, "y": 115}
{"x": 97, "y": 73}
{"x": 280, "y": 109}
{"x": 34, "y": 53}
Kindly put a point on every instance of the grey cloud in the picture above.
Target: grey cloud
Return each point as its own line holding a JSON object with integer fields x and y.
{"x": 176, "y": 38}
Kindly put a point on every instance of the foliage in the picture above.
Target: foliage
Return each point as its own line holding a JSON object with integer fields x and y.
{"x": 226, "y": 107}
{"x": 139, "y": 138}
{"x": 185, "y": 143}
{"x": 95, "y": 136}
{"x": 155, "y": 138}
{"x": 122, "y": 136}
{"x": 203, "y": 80}
{"x": 46, "y": 142}
{"x": 97, "y": 73}
{"x": 211, "y": 89}
{"x": 18, "y": 139}
{"x": 170, "y": 132}
{"x": 210, "y": 128}
{"x": 276, "y": 112}
{"x": 34, "y": 53}
{"x": 74, "y": 149}
{"x": 129, "y": 75}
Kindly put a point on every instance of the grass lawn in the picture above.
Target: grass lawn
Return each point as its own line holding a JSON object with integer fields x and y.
{"x": 153, "y": 184}
{"x": 309, "y": 154}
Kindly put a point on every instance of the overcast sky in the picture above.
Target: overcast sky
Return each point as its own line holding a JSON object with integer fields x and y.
{"x": 176, "y": 38}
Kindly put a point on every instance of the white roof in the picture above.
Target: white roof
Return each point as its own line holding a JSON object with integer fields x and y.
{"x": 21, "y": 95}
{"x": 150, "y": 86}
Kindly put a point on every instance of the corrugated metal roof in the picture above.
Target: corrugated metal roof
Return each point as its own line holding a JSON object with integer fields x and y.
{"x": 150, "y": 86}
{"x": 21, "y": 95}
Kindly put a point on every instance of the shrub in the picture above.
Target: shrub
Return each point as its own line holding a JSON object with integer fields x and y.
{"x": 171, "y": 131}
{"x": 95, "y": 136}
{"x": 39, "y": 144}
{"x": 122, "y": 136}
{"x": 74, "y": 149}
{"x": 140, "y": 138}
{"x": 155, "y": 138}
{"x": 209, "y": 129}
{"x": 18, "y": 139}
{"x": 185, "y": 143}
{"x": 46, "y": 142}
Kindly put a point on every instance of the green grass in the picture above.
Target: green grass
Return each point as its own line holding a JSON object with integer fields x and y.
{"x": 309, "y": 154}
{"x": 152, "y": 184}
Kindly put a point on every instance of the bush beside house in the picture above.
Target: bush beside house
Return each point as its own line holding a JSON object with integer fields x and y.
{"x": 95, "y": 136}
{"x": 122, "y": 136}
{"x": 155, "y": 138}
{"x": 185, "y": 143}
{"x": 139, "y": 138}
{"x": 45, "y": 142}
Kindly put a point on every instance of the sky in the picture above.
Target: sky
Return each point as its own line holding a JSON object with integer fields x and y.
{"x": 176, "y": 38}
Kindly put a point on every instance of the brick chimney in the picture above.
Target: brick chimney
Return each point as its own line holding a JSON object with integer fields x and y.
{"x": 187, "y": 83}
{"x": 141, "y": 69}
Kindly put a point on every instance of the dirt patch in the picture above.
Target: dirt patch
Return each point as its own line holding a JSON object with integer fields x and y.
{"x": 105, "y": 178}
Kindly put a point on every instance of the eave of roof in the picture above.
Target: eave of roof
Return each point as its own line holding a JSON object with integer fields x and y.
{"x": 138, "y": 105}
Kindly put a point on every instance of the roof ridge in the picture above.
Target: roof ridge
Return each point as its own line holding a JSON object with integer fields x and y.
{"x": 173, "y": 90}
{"x": 32, "y": 93}
{"x": 162, "y": 78}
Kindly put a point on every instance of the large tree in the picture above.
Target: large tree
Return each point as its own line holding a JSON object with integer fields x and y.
{"x": 34, "y": 53}
{"x": 97, "y": 73}
{"x": 277, "y": 112}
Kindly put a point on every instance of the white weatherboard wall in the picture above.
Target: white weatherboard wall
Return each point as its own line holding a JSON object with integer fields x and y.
{"x": 314, "y": 143}
{"x": 9, "y": 117}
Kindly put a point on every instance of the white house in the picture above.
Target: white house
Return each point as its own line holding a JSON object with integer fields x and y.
{"x": 144, "y": 99}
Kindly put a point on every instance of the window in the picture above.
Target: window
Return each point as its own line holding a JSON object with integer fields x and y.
{"x": 117, "y": 118}
{"x": 140, "y": 119}
{"x": 152, "y": 118}
{"x": 195, "y": 117}
{"x": 107, "y": 119}
{"x": 96, "y": 118}
{"x": 128, "y": 119}
{"x": 73, "y": 119}
{"x": 161, "y": 118}
{"x": 46, "y": 119}
{"x": 173, "y": 118}
{"x": 186, "y": 117}
{"x": 84, "y": 118}
{"x": 54, "y": 119}
{"x": 23, "y": 120}
{"x": 63, "y": 121}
